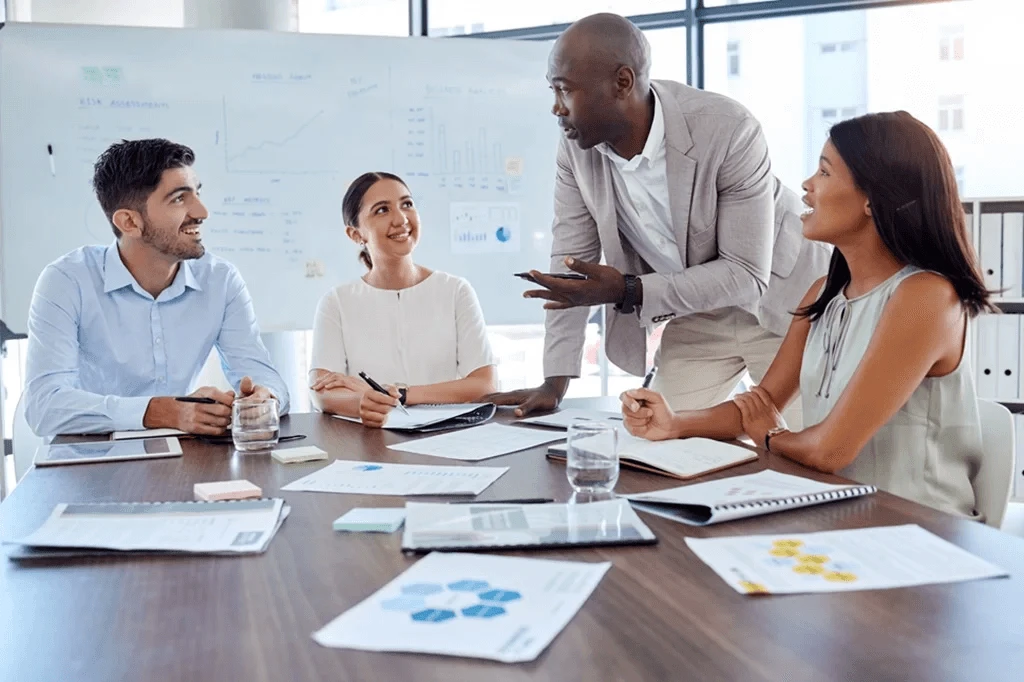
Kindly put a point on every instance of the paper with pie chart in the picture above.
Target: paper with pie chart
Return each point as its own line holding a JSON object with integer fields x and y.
{"x": 479, "y": 606}
{"x": 382, "y": 478}
{"x": 839, "y": 560}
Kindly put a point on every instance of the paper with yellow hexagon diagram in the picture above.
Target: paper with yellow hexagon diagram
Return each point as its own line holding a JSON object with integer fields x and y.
{"x": 839, "y": 560}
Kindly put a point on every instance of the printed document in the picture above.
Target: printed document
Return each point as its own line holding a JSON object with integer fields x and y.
{"x": 479, "y": 442}
{"x": 839, "y": 560}
{"x": 500, "y": 608}
{"x": 371, "y": 478}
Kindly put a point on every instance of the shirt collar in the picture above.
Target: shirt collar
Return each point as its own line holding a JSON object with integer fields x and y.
{"x": 116, "y": 275}
{"x": 654, "y": 145}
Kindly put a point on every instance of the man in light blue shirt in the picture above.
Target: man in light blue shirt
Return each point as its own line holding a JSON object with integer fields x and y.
{"x": 116, "y": 333}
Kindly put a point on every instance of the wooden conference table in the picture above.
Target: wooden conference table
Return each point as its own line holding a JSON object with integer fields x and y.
{"x": 658, "y": 614}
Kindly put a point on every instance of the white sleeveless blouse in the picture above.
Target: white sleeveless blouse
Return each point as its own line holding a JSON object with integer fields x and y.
{"x": 930, "y": 450}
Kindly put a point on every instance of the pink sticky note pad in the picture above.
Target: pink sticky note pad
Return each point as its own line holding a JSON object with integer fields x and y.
{"x": 226, "y": 490}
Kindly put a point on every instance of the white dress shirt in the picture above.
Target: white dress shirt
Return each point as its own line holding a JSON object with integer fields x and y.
{"x": 641, "y": 199}
{"x": 429, "y": 333}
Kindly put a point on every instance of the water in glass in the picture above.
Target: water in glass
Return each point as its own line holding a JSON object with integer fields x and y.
{"x": 592, "y": 456}
{"x": 255, "y": 425}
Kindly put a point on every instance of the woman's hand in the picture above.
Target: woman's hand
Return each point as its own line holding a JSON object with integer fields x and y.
{"x": 375, "y": 406}
{"x": 758, "y": 414}
{"x": 331, "y": 380}
{"x": 647, "y": 415}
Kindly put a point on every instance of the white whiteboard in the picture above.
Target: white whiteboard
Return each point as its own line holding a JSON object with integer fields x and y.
{"x": 280, "y": 124}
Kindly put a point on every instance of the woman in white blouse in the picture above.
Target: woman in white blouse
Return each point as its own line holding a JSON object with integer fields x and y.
{"x": 418, "y": 332}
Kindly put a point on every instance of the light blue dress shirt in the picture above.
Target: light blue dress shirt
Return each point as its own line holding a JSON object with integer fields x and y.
{"x": 100, "y": 346}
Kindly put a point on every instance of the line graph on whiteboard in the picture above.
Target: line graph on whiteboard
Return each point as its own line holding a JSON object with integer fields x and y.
{"x": 276, "y": 142}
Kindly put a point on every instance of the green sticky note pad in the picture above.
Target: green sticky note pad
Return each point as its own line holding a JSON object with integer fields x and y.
{"x": 371, "y": 520}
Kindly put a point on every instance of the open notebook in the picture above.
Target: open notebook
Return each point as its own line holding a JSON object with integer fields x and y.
{"x": 683, "y": 458}
{"x": 428, "y": 418}
{"x": 738, "y": 497}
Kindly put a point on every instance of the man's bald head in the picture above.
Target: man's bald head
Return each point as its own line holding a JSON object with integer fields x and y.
{"x": 599, "y": 70}
{"x": 607, "y": 42}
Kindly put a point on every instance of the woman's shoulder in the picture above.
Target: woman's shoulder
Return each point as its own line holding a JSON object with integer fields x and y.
{"x": 440, "y": 279}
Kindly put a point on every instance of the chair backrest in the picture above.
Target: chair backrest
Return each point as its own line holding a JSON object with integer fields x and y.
{"x": 994, "y": 479}
{"x": 24, "y": 441}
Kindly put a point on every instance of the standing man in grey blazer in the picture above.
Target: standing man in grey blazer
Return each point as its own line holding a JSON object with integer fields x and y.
{"x": 673, "y": 186}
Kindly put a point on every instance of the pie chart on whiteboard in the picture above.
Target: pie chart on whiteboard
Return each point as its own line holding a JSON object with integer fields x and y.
{"x": 503, "y": 234}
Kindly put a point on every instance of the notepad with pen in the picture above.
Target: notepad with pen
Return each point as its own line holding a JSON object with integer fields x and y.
{"x": 737, "y": 497}
{"x": 430, "y": 418}
{"x": 684, "y": 458}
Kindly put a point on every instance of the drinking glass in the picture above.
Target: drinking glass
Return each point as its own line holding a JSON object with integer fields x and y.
{"x": 592, "y": 457}
{"x": 255, "y": 424}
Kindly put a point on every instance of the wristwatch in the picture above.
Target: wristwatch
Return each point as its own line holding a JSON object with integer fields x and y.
{"x": 772, "y": 432}
{"x": 403, "y": 392}
{"x": 631, "y": 295}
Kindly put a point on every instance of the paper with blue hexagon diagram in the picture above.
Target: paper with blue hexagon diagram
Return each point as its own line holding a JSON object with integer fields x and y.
{"x": 839, "y": 560}
{"x": 505, "y": 609}
{"x": 372, "y": 478}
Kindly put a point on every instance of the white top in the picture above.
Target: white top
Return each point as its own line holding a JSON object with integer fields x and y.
{"x": 426, "y": 334}
{"x": 930, "y": 450}
{"x": 641, "y": 198}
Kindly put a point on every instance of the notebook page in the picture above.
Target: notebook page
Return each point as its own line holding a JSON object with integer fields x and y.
{"x": 762, "y": 486}
{"x": 684, "y": 457}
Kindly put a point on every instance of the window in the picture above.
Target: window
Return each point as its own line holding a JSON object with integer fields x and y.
{"x": 847, "y": 46}
{"x": 357, "y": 17}
{"x": 733, "y": 52}
{"x": 849, "y": 112}
{"x": 829, "y": 114}
{"x": 951, "y": 44}
{"x": 828, "y": 48}
{"x": 960, "y": 180}
{"x": 500, "y": 16}
{"x": 891, "y": 69}
{"x": 951, "y": 113}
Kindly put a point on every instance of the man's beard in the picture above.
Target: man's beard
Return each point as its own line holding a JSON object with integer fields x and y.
{"x": 172, "y": 245}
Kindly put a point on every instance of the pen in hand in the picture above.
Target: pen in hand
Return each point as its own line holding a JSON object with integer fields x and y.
{"x": 194, "y": 399}
{"x": 380, "y": 389}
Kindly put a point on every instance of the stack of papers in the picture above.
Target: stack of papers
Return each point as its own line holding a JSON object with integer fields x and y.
{"x": 501, "y": 526}
{"x": 369, "y": 478}
{"x": 479, "y": 442}
{"x": 499, "y": 608}
{"x": 839, "y": 560}
{"x": 233, "y": 527}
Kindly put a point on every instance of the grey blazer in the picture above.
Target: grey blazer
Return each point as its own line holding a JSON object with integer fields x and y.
{"x": 738, "y": 231}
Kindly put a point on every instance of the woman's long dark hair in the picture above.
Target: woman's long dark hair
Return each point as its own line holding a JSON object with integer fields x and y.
{"x": 353, "y": 201}
{"x": 905, "y": 171}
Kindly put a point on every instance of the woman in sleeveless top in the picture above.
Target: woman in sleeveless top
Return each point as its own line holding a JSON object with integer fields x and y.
{"x": 419, "y": 333}
{"x": 876, "y": 350}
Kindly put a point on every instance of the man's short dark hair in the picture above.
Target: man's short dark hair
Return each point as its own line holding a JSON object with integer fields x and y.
{"x": 127, "y": 173}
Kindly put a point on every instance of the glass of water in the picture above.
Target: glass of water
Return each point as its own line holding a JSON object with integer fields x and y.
{"x": 255, "y": 424}
{"x": 592, "y": 464}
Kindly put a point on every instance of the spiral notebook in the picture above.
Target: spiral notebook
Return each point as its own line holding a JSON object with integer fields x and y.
{"x": 738, "y": 497}
{"x": 430, "y": 418}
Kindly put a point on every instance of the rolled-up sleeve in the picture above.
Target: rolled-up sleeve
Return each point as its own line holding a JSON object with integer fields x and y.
{"x": 54, "y": 400}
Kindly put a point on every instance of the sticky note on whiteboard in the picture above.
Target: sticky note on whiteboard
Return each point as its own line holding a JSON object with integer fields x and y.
{"x": 514, "y": 166}
{"x": 315, "y": 268}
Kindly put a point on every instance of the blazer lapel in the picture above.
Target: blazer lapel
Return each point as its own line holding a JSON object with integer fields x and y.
{"x": 680, "y": 168}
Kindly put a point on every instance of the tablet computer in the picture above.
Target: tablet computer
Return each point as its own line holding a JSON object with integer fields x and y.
{"x": 107, "y": 451}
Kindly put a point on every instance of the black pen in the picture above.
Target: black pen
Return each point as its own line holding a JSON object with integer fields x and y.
{"x": 380, "y": 389}
{"x": 650, "y": 376}
{"x": 528, "y": 500}
{"x": 193, "y": 399}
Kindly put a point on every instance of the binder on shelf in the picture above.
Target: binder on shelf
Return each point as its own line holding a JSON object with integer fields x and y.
{"x": 1009, "y": 357}
{"x": 990, "y": 251}
{"x": 1013, "y": 254}
{"x": 1017, "y": 492}
{"x": 988, "y": 355}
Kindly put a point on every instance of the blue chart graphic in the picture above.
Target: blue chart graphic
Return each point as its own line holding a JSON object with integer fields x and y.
{"x": 503, "y": 234}
{"x": 369, "y": 467}
{"x": 436, "y": 603}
